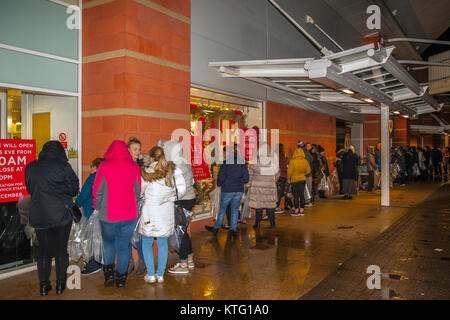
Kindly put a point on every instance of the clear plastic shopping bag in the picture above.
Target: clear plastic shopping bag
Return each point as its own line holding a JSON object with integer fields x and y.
{"x": 175, "y": 239}
{"x": 137, "y": 237}
{"x": 74, "y": 245}
{"x": 246, "y": 212}
{"x": 323, "y": 184}
{"x": 214, "y": 195}
{"x": 92, "y": 240}
{"x": 307, "y": 193}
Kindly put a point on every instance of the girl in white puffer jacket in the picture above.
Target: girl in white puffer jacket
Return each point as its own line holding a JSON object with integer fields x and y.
{"x": 157, "y": 220}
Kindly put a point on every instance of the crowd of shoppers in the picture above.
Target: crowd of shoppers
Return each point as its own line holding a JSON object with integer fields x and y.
{"x": 133, "y": 192}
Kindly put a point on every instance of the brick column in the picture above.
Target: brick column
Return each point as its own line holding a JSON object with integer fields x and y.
{"x": 371, "y": 131}
{"x": 136, "y": 72}
{"x": 400, "y": 133}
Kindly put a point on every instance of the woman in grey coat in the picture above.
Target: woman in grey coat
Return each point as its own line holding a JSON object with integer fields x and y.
{"x": 263, "y": 188}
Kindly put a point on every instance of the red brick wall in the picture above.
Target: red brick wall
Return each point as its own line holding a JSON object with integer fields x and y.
{"x": 400, "y": 133}
{"x": 371, "y": 131}
{"x": 142, "y": 80}
{"x": 297, "y": 124}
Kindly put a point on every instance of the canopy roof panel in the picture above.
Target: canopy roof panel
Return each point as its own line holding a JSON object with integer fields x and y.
{"x": 358, "y": 80}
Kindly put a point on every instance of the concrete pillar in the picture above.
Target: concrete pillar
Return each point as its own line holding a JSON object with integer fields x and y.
{"x": 384, "y": 132}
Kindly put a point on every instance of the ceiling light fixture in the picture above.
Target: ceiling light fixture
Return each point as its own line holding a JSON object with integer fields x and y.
{"x": 368, "y": 100}
{"x": 347, "y": 91}
{"x": 395, "y": 112}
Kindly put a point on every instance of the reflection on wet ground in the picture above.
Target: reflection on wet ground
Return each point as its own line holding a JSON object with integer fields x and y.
{"x": 281, "y": 263}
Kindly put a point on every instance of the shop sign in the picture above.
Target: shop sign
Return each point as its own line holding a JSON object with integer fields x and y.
{"x": 15, "y": 154}
{"x": 199, "y": 170}
{"x": 62, "y": 138}
{"x": 72, "y": 153}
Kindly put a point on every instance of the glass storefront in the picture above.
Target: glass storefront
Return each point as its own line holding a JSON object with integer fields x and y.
{"x": 40, "y": 117}
{"x": 40, "y": 70}
{"x": 218, "y": 111}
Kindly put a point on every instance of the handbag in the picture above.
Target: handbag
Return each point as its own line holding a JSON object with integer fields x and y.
{"x": 180, "y": 217}
{"x": 75, "y": 212}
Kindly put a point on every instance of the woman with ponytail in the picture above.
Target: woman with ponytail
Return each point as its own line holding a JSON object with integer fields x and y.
{"x": 159, "y": 181}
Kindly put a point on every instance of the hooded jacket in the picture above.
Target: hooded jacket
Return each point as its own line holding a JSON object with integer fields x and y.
{"x": 233, "y": 174}
{"x": 298, "y": 167}
{"x": 173, "y": 151}
{"x": 117, "y": 185}
{"x": 157, "y": 218}
{"x": 263, "y": 177}
{"x": 52, "y": 183}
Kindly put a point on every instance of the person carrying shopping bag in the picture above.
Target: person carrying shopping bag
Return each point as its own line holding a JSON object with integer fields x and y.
{"x": 233, "y": 175}
{"x": 263, "y": 184}
{"x": 134, "y": 147}
{"x": 173, "y": 151}
{"x": 116, "y": 191}
{"x": 85, "y": 201}
{"x": 159, "y": 181}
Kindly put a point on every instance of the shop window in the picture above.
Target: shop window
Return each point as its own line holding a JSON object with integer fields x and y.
{"x": 42, "y": 118}
{"x": 14, "y": 114}
{"x": 221, "y": 115}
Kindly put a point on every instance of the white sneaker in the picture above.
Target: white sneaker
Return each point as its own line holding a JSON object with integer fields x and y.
{"x": 149, "y": 279}
{"x": 178, "y": 268}
{"x": 160, "y": 279}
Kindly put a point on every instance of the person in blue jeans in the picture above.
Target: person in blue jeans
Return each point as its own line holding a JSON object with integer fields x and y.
{"x": 233, "y": 175}
{"x": 116, "y": 191}
{"x": 85, "y": 201}
{"x": 134, "y": 147}
{"x": 161, "y": 184}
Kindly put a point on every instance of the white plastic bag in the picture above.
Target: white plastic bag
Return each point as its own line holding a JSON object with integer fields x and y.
{"x": 74, "y": 245}
{"x": 137, "y": 237}
{"x": 246, "y": 213}
{"x": 92, "y": 240}
{"x": 214, "y": 195}
{"x": 307, "y": 193}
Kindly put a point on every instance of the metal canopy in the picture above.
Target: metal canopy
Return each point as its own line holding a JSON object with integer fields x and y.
{"x": 373, "y": 75}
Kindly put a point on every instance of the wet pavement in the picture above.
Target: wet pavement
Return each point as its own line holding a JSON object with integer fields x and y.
{"x": 413, "y": 257}
{"x": 283, "y": 263}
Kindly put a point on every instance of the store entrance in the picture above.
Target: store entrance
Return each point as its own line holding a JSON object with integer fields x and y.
{"x": 41, "y": 129}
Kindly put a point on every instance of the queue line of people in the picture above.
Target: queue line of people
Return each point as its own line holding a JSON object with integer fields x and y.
{"x": 114, "y": 188}
{"x": 124, "y": 177}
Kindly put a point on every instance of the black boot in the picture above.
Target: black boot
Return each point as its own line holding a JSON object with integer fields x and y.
{"x": 272, "y": 220}
{"x": 60, "y": 286}
{"x": 108, "y": 270}
{"x": 44, "y": 266}
{"x": 121, "y": 280}
{"x": 258, "y": 216}
{"x": 45, "y": 288}
{"x": 212, "y": 229}
{"x": 232, "y": 234}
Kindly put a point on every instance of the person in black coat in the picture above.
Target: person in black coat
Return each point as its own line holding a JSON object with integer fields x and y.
{"x": 436, "y": 159}
{"x": 233, "y": 175}
{"x": 52, "y": 184}
{"x": 350, "y": 173}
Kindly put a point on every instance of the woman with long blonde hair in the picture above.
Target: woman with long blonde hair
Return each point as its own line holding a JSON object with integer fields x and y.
{"x": 159, "y": 181}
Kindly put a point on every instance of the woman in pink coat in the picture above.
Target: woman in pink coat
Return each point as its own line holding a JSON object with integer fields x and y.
{"x": 116, "y": 192}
